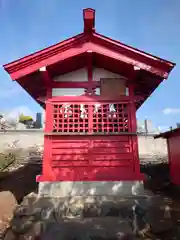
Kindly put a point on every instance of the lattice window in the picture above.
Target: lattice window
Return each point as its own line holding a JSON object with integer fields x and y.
{"x": 70, "y": 118}
{"x": 110, "y": 118}
{"x": 91, "y": 117}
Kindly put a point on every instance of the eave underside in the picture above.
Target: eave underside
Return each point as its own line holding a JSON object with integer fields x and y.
{"x": 145, "y": 83}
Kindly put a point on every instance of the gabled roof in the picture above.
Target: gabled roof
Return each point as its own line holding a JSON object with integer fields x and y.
{"x": 106, "y": 53}
{"x": 88, "y": 42}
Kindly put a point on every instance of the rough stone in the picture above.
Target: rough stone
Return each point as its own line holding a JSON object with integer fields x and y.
{"x": 33, "y": 233}
{"x": 91, "y": 210}
{"x": 159, "y": 219}
{"x": 30, "y": 199}
{"x": 34, "y": 208}
{"x": 21, "y": 225}
{"x": 76, "y": 207}
{"x": 9, "y": 235}
{"x": 7, "y": 205}
{"x": 90, "y": 228}
{"x": 25, "y": 215}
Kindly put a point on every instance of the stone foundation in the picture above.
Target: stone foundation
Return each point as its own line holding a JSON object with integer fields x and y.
{"x": 125, "y": 200}
{"x": 94, "y": 199}
{"x": 98, "y": 209}
{"x": 82, "y": 189}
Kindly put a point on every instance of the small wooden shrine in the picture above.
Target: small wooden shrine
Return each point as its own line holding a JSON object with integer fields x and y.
{"x": 90, "y": 87}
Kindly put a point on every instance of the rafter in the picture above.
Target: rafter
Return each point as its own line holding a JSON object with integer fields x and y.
{"x": 45, "y": 76}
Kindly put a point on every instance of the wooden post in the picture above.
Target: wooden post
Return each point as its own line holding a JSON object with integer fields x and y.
{"x": 47, "y": 169}
{"x": 90, "y": 89}
{"x": 133, "y": 120}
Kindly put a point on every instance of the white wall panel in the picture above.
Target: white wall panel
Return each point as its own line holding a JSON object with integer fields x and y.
{"x": 79, "y": 75}
{"x": 67, "y": 92}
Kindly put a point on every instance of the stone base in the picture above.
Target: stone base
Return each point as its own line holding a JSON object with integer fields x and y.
{"x": 72, "y": 205}
{"x": 95, "y": 199}
{"x": 84, "y": 189}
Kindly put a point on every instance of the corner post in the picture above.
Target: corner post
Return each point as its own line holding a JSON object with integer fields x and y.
{"x": 133, "y": 122}
{"x": 47, "y": 172}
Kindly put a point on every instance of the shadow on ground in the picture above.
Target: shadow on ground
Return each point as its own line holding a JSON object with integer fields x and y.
{"x": 21, "y": 181}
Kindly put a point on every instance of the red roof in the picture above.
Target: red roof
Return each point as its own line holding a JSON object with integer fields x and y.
{"x": 168, "y": 134}
{"x": 107, "y": 53}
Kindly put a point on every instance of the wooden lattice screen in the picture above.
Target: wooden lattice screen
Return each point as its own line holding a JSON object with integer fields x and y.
{"x": 90, "y": 117}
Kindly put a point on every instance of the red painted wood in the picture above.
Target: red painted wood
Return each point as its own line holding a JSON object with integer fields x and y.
{"x": 90, "y": 72}
{"x": 42, "y": 54}
{"x": 91, "y": 153}
{"x": 133, "y": 52}
{"x": 46, "y": 167}
{"x": 88, "y": 99}
{"x": 33, "y": 59}
{"x": 92, "y": 174}
{"x": 90, "y": 157}
{"x": 86, "y": 117}
{"x": 46, "y": 78}
{"x": 69, "y": 53}
{"x": 174, "y": 158}
{"x": 75, "y": 46}
{"x": 89, "y": 20}
{"x": 173, "y": 142}
{"x": 133, "y": 121}
{"x": 94, "y": 158}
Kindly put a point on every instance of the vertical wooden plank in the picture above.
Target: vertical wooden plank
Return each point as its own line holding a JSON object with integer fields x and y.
{"x": 73, "y": 118}
{"x": 62, "y": 117}
{"x": 90, "y": 118}
{"x": 49, "y": 121}
{"x": 102, "y": 116}
{"x": 133, "y": 124}
{"x": 132, "y": 107}
{"x": 90, "y": 90}
{"x": 47, "y": 158}
{"x": 170, "y": 159}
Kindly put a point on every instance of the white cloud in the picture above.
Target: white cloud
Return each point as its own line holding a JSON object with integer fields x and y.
{"x": 167, "y": 111}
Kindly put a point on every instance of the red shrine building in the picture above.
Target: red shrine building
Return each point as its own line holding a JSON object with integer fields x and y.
{"x": 173, "y": 142}
{"x": 90, "y": 87}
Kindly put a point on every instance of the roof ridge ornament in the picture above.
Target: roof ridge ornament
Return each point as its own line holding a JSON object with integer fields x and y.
{"x": 89, "y": 20}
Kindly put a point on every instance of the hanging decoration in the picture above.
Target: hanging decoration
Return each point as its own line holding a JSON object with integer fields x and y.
{"x": 67, "y": 110}
{"x": 112, "y": 111}
{"x": 96, "y": 107}
{"x": 83, "y": 111}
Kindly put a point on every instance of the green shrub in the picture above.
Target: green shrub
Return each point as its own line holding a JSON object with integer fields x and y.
{"x": 23, "y": 118}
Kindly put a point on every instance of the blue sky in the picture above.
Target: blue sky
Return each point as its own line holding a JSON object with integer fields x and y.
{"x": 152, "y": 25}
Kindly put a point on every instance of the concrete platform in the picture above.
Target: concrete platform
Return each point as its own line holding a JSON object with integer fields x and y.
{"x": 99, "y": 188}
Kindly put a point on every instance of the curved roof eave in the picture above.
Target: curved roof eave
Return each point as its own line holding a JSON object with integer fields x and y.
{"x": 53, "y": 54}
